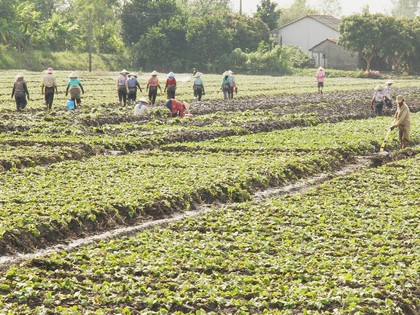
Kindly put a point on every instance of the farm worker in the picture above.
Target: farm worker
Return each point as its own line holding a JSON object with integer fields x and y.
{"x": 49, "y": 86}
{"x": 152, "y": 86}
{"x": 170, "y": 85}
{"x": 233, "y": 87}
{"x": 198, "y": 86}
{"x": 320, "y": 77}
{"x": 133, "y": 84}
{"x": 388, "y": 94}
{"x": 177, "y": 108}
{"x": 75, "y": 88}
{"x": 226, "y": 81}
{"x": 378, "y": 100}
{"x": 402, "y": 121}
{"x": 141, "y": 107}
{"x": 20, "y": 91}
{"x": 122, "y": 87}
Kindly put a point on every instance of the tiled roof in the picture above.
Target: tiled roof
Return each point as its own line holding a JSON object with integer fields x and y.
{"x": 328, "y": 20}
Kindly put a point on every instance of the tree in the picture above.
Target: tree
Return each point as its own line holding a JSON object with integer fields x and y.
{"x": 406, "y": 57}
{"x": 298, "y": 9}
{"x": 209, "y": 39}
{"x": 267, "y": 11}
{"x": 248, "y": 32}
{"x": 140, "y": 15}
{"x": 371, "y": 36}
{"x": 105, "y": 27}
{"x": 331, "y": 7}
{"x": 199, "y": 8}
{"x": 406, "y": 8}
{"x": 164, "y": 46}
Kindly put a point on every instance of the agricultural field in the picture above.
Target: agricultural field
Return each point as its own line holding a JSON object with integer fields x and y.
{"x": 349, "y": 245}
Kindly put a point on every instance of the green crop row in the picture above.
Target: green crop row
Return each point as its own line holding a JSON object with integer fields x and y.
{"x": 349, "y": 246}
{"x": 63, "y": 198}
{"x": 72, "y": 195}
{"x": 360, "y": 136}
{"x": 27, "y": 156}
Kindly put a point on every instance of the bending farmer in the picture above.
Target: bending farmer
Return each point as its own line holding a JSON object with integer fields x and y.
{"x": 402, "y": 121}
{"x": 177, "y": 108}
{"x": 75, "y": 88}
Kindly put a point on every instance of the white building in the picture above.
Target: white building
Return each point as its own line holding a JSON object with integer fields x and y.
{"x": 308, "y": 33}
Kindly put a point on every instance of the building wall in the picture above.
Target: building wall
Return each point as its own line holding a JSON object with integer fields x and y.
{"x": 330, "y": 55}
{"x": 305, "y": 34}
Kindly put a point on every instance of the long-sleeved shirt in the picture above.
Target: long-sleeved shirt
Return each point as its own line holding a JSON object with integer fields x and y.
{"x": 20, "y": 87}
{"x": 402, "y": 116}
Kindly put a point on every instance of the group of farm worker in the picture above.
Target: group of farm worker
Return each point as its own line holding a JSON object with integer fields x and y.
{"x": 382, "y": 97}
{"x": 48, "y": 89}
{"x": 127, "y": 85}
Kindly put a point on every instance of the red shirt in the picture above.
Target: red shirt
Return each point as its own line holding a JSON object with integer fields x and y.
{"x": 170, "y": 81}
{"x": 178, "y": 108}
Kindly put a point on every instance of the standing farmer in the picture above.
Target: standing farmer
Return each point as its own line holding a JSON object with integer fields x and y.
{"x": 388, "y": 94}
{"x": 133, "y": 84}
{"x": 170, "y": 86}
{"x": 402, "y": 121}
{"x": 226, "y": 81}
{"x": 152, "y": 86}
{"x": 378, "y": 100}
{"x": 198, "y": 86}
{"x": 122, "y": 87}
{"x": 320, "y": 77}
{"x": 75, "y": 88}
{"x": 20, "y": 91}
{"x": 49, "y": 86}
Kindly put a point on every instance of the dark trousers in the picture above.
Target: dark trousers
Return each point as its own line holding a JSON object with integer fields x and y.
{"x": 132, "y": 94}
{"x": 122, "y": 95}
{"x": 171, "y": 92}
{"x": 20, "y": 102}
{"x": 198, "y": 92}
{"x": 152, "y": 94}
{"x": 49, "y": 96}
{"x": 77, "y": 102}
{"x": 379, "y": 106}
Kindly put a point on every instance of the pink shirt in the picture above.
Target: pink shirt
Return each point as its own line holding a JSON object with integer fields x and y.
{"x": 320, "y": 75}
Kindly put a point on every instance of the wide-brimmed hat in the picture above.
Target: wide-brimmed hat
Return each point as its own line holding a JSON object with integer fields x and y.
{"x": 73, "y": 75}
{"x": 154, "y": 72}
{"x": 187, "y": 106}
{"x": 50, "y": 70}
{"x": 19, "y": 75}
{"x": 143, "y": 100}
{"x": 132, "y": 74}
{"x": 320, "y": 68}
{"x": 379, "y": 88}
{"x": 399, "y": 98}
{"x": 389, "y": 82}
{"x": 171, "y": 75}
{"x": 123, "y": 71}
{"x": 198, "y": 74}
{"x": 225, "y": 73}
